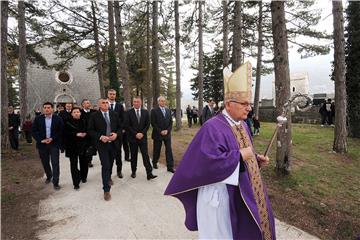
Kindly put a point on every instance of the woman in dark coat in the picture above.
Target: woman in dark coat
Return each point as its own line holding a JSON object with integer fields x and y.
{"x": 76, "y": 147}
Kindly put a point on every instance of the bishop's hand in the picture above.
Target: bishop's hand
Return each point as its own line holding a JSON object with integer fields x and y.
{"x": 246, "y": 153}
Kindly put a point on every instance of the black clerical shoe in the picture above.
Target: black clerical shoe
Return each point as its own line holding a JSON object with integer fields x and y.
{"x": 48, "y": 180}
{"x": 57, "y": 187}
{"x": 133, "y": 175}
{"x": 77, "y": 187}
{"x": 128, "y": 160}
{"x": 84, "y": 181}
{"x": 151, "y": 176}
{"x": 155, "y": 166}
{"x": 171, "y": 170}
{"x": 90, "y": 165}
{"x": 119, "y": 174}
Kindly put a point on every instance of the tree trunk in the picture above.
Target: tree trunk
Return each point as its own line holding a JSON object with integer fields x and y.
{"x": 201, "y": 58}
{"x": 177, "y": 63}
{"x": 4, "y": 85}
{"x": 114, "y": 83}
{"x": 282, "y": 84}
{"x": 225, "y": 36}
{"x": 124, "y": 74}
{"x": 340, "y": 135}
{"x": 155, "y": 55}
{"x": 22, "y": 61}
{"x": 148, "y": 71}
{"x": 97, "y": 50}
{"x": 258, "y": 63}
{"x": 225, "y": 33}
{"x": 236, "y": 54}
{"x": 352, "y": 60}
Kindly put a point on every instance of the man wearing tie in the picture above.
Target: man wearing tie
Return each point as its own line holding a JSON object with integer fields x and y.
{"x": 105, "y": 129}
{"x": 47, "y": 130}
{"x": 161, "y": 121}
{"x": 137, "y": 124}
{"x": 119, "y": 109}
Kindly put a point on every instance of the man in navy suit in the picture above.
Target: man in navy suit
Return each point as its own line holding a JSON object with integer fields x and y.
{"x": 137, "y": 124}
{"x": 161, "y": 121}
{"x": 119, "y": 109}
{"x": 47, "y": 131}
{"x": 105, "y": 129}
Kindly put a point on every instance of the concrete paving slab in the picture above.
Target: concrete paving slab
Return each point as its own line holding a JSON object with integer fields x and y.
{"x": 138, "y": 209}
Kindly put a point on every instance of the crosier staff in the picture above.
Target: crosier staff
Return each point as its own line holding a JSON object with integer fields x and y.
{"x": 302, "y": 102}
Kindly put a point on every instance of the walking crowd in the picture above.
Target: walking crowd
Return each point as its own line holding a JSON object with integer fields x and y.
{"x": 82, "y": 132}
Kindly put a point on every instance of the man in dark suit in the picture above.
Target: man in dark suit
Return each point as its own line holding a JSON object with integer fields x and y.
{"x": 14, "y": 123}
{"x": 137, "y": 124}
{"x": 47, "y": 131}
{"x": 86, "y": 112}
{"x": 105, "y": 129}
{"x": 208, "y": 111}
{"x": 161, "y": 121}
{"x": 65, "y": 116}
{"x": 119, "y": 109}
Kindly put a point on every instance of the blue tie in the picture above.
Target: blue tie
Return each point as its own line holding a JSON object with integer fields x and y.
{"x": 163, "y": 111}
{"x": 107, "y": 120}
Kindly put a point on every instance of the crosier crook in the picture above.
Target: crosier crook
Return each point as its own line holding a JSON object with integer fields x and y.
{"x": 302, "y": 102}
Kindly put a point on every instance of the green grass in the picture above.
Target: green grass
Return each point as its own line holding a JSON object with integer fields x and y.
{"x": 317, "y": 173}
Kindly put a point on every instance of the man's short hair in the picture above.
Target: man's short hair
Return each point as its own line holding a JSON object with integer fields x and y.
{"x": 158, "y": 99}
{"x": 85, "y": 99}
{"x": 111, "y": 90}
{"x": 137, "y": 97}
{"x": 48, "y": 103}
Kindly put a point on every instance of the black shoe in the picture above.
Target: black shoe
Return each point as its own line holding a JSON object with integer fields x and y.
{"x": 57, "y": 187}
{"x": 171, "y": 170}
{"x": 151, "y": 176}
{"x": 90, "y": 165}
{"x": 84, "y": 181}
{"x": 133, "y": 175}
{"x": 119, "y": 174}
{"x": 48, "y": 180}
{"x": 155, "y": 166}
{"x": 77, "y": 187}
{"x": 128, "y": 160}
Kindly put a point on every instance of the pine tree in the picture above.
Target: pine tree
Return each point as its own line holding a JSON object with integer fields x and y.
{"x": 353, "y": 68}
{"x": 155, "y": 54}
{"x": 113, "y": 78}
{"x": 4, "y": 88}
{"x": 340, "y": 133}
{"x": 282, "y": 84}
{"x": 213, "y": 77}
{"x": 124, "y": 74}
{"x": 177, "y": 63}
{"x": 22, "y": 60}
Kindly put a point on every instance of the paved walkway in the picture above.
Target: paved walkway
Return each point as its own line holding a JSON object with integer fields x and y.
{"x": 138, "y": 209}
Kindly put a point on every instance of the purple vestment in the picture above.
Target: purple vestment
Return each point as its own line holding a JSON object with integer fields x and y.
{"x": 211, "y": 157}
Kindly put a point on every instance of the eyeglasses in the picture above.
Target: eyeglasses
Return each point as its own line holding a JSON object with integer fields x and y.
{"x": 245, "y": 104}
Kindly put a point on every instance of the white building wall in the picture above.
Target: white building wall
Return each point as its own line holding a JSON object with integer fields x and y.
{"x": 299, "y": 83}
{"x": 42, "y": 84}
